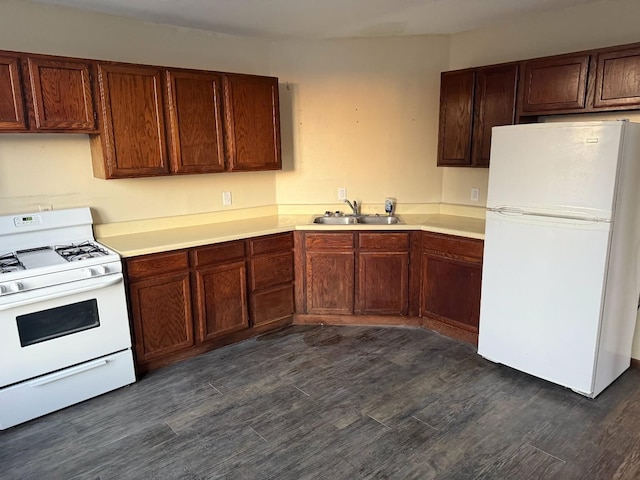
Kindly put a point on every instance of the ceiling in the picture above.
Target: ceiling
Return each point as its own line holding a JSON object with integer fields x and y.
{"x": 323, "y": 18}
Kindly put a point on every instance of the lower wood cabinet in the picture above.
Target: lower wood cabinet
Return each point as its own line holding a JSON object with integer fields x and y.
{"x": 329, "y": 272}
{"x": 451, "y": 280}
{"x": 383, "y": 274}
{"x": 220, "y": 290}
{"x": 272, "y": 278}
{"x": 186, "y": 302}
{"x": 365, "y": 273}
{"x": 160, "y": 302}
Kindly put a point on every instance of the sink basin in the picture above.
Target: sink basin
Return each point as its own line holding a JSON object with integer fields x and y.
{"x": 344, "y": 220}
{"x": 359, "y": 219}
{"x": 379, "y": 219}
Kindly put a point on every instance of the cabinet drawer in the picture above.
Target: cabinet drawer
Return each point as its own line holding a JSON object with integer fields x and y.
{"x": 272, "y": 305}
{"x": 389, "y": 242}
{"x": 452, "y": 245}
{"x": 216, "y": 254}
{"x": 156, "y": 264}
{"x": 329, "y": 241}
{"x": 271, "y": 243}
{"x": 270, "y": 270}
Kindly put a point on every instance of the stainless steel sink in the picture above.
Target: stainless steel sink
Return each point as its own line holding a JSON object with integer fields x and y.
{"x": 358, "y": 219}
{"x": 380, "y": 219}
{"x": 339, "y": 220}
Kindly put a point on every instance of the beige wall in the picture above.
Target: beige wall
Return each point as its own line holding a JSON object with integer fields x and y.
{"x": 599, "y": 24}
{"x": 363, "y": 117}
{"x": 56, "y": 169}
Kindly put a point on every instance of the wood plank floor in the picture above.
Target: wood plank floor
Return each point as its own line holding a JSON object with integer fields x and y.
{"x": 336, "y": 403}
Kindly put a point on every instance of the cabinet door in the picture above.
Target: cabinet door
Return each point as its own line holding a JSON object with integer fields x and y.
{"x": 383, "y": 283}
{"x": 456, "y": 103}
{"x": 554, "y": 84}
{"x": 383, "y": 273}
{"x": 252, "y": 116}
{"x": 195, "y": 122}
{"x": 133, "y": 130}
{"x": 12, "y": 116}
{"x": 494, "y": 105}
{"x": 61, "y": 94}
{"x": 161, "y": 311}
{"x": 221, "y": 300}
{"x": 330, "y": 272}
{"x": 618, "y": 79}
{"x": 451, "y": 280}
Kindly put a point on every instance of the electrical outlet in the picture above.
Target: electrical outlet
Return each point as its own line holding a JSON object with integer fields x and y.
{"x": 342, "y": 193}
{"x": 475, "y": 194}
{"x": 45, "y": 208}
{"x": 226, "y": 198}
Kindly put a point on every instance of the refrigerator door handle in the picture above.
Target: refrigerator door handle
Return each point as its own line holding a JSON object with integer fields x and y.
{"x": 513, "y": 211}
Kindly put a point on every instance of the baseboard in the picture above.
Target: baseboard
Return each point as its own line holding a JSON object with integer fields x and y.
{"x": 635, "y": 363}
{"x": 360, "y": 320}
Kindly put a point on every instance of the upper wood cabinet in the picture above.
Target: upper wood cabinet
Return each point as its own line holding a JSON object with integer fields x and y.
{"x": 617, "y": 79}
{"x": 252, "y": 116}
{"x": 132, "y": 137}
{"x": 456, "y": 104}
{"x": 471, "y": 103}
{"x": 556, "y": 83}
{"x": 494, "y": 105}
{"x": 195, "y": 121}
{"x": 61, "y": 94}
{"x": 46, "y": 94}
{"x": 12, "y": 117}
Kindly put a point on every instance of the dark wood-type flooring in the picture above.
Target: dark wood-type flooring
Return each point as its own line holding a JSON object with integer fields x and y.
{"x": 336, "y": 403}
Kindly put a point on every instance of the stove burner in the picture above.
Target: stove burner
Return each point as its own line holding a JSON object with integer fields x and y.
{"x": 10, "y": 263}
{"x": 81, "y": 251}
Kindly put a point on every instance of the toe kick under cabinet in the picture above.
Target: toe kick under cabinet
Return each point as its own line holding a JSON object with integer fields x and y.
{"x": 186, "y": 302}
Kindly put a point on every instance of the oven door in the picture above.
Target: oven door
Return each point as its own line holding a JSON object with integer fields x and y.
{"x": 51, "y": 328}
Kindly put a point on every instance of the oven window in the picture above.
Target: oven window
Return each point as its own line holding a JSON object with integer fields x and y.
{"x": 57, "y": 322}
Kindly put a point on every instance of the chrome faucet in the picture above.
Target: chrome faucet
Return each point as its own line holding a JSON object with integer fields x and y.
{"x": 353, "y": 206}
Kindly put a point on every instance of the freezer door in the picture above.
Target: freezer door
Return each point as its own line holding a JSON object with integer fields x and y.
{"x": 542, "y": 296}
{"x": 556, "y": 167}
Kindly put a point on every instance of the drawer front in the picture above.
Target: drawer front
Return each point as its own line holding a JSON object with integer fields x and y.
{"x": 389, "y": 242}
{"x": 46, "y": 394}
{"x": 217, "y": 254}
{"x": 270, "y": 270}
{"x": 271, "y": 243}
{"x": 156, "y": 264}
{"x": 272, "y": 305}
{"x": 452, "y": 245}
{"x": 329, "y": 241}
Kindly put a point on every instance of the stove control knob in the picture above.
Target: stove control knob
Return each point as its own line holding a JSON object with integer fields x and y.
{"x": 3, "y": 289}
{"x": 15, "y": 287}
{"x": 86, "y": 273}
{"x": 100, "y": 270}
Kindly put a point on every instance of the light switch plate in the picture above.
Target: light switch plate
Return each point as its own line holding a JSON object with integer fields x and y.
{"x": 342, "y": 193}
{"x": 226, "y": 198}
{"x": 475, "y": 194}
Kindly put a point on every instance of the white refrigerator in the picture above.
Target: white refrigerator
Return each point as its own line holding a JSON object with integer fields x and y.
{"x": 561, "y": 277}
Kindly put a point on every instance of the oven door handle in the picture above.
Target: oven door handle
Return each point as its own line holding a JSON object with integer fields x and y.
{"x": 54, "y": 377}
{"x": 52, "y": 296}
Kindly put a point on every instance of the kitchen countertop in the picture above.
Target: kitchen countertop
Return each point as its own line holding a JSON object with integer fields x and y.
{"x": 166, "y": 239}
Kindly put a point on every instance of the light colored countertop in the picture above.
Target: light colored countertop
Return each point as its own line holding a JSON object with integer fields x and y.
{"x": 173, "y": 238}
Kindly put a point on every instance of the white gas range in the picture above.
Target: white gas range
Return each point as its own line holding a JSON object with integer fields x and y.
{"x": 64, "y": 327}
